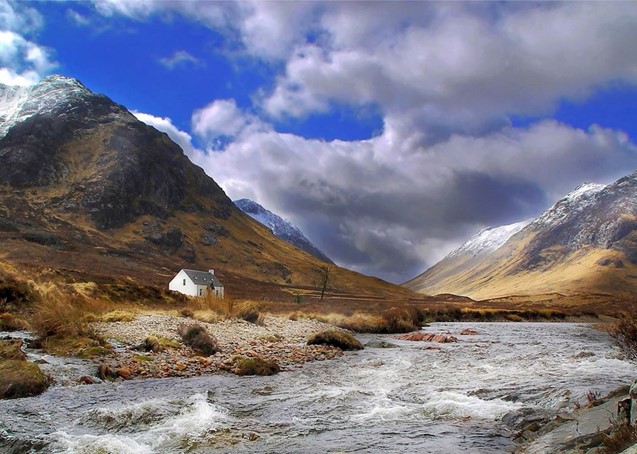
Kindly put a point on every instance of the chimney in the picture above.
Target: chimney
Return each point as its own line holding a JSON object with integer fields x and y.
{"x": 212, "y": 272}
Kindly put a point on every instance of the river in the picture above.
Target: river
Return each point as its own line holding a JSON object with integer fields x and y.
{"x": 446, "y": 399}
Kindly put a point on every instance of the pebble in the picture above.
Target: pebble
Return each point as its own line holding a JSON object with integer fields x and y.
{"x": 235, "y": 337}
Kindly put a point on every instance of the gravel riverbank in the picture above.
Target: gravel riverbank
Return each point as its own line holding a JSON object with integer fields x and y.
{"x": 277, "y": 339}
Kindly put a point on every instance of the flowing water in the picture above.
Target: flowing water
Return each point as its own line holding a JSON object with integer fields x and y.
{"x": 407, "y": 399}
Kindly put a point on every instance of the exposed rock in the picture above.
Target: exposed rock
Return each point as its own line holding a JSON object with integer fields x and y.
{"x": 469, "y": 332}
{"x": 86, "y": 380}
{"x": 19, "y": 378}
{"x": 104, "y": 371}
{"x": 124, "y": 372}
{"x": 380, "y": 344}
{"x": 428, "y": 337}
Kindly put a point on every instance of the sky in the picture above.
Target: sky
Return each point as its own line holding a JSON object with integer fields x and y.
{"x": 389, "y": 132}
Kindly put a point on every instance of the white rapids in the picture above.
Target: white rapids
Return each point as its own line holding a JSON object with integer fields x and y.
{"x": 420, "y": 397}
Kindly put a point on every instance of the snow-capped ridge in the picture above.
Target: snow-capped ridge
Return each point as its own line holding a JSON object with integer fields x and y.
{"x": 280, "y": 227}
{"x": 489, "y": 239}
{"x": 579, "y": 199}
{"x": 18, "y": 103}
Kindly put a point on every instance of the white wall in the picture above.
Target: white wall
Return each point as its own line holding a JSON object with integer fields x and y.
{"x": 182, "y": 284}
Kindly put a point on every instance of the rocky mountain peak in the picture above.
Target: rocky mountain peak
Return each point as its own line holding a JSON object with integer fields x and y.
{"x": 281, "y": 228}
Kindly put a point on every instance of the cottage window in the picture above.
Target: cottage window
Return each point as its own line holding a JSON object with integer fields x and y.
{"x": 200, "y": 292}
{"x": 184, "y": 281}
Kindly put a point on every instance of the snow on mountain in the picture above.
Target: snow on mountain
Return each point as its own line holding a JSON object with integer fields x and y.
{"x": 52, "y": 93}
{"x": 489, "y": 239}
{"x": 576, "y": 201}
{"x": 280, "y": 227}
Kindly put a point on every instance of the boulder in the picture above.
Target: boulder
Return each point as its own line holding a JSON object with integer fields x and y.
{"x": 468, "y": 332}
{"x": 380, "y": 344}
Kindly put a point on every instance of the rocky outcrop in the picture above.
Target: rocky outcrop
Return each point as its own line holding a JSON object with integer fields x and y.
{"x": 419, "y": 336}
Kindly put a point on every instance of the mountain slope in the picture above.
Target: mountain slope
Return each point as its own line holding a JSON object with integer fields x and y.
{"x": 89, "y": 193}
{"x": 586, "y": 242}
{"x": 281, "y": 228}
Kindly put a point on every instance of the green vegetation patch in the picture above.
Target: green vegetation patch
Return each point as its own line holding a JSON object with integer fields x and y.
{"x": 159, "y": 344}
{"x": 334, "y": 338}
{"x": 21, "y": 379}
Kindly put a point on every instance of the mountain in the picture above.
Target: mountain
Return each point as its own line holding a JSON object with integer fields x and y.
{"x": 585, "y": 243}
{"x": 281, "y": 228}
{"x": 88, "y": 193}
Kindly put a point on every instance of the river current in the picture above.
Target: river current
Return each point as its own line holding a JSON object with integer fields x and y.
{"x": 447, "y": 398}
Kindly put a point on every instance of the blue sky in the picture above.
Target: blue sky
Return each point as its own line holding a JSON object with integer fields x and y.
{"x": 389, "y": 132}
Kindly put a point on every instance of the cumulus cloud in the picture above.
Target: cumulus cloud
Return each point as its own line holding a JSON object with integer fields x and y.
{"x": 446, "y": 77}
{"x": 22, "y": 61}
{"x": 393, "y": 217}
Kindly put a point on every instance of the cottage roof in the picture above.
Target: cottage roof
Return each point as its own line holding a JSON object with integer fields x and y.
{"x": 203, "y": 278}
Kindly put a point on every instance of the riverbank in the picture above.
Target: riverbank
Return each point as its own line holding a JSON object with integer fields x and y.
{"x": 275, "y": 339}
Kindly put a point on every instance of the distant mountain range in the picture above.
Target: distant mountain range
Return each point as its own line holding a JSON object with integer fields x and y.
{"x": 281, "y": 228}
{"x": 586, "y": 242}
{"x": 88, "y": 193}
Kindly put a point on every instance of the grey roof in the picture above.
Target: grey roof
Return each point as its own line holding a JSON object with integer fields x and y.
{"x": 203, "y": 278}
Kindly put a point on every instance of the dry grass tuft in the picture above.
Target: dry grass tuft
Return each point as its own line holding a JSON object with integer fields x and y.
{"x": 196, "y": 337}
{"x": 248, "y": 311}
{"x": 334, "y": 338}
{"x": 624, "y": 333}
{"x": 59, "y": 314}
{"x": 243, "y": 365}
{"x": 117, "y": 316}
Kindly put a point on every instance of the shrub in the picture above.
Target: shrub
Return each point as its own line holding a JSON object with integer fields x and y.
{"x": 339, "y": 339}
{"x": 400, "y": 321}
{"x": 619, "y": 437}
{"x": 624, "y": 333}
{"x": 249, "y": 311}
{"x": 196, "y": 337}
{"x": 243, "y": 365}
{"x": 58, "y": 314}
{"x": 187, "y": 313}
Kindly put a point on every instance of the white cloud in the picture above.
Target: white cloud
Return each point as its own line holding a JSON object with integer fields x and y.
{"x": 22, "y": 62}
{"x": 445, "y": 77}
{"x": 222, "y": 118}
{"x": 164, "y": 124}
{"x": 179, "y": 58}
{"x": 78, "y": 18}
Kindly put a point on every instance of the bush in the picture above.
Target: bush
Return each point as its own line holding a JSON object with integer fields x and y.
{"x": 197, "y": 338}
{"x": 624, "y": 333}
{"x": 243, "y": 365}
{"x": 339, "y": 339}
{"x": 249, "y": 311}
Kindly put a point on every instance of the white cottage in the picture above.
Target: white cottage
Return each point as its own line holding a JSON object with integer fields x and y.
{"x": 195, "y": 283}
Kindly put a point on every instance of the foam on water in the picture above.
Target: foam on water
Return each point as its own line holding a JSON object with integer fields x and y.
{"x": 452, "y": 405}
{"x": 407, "y": 399}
